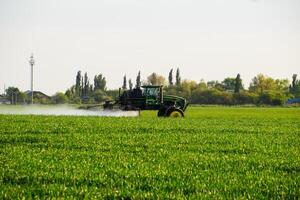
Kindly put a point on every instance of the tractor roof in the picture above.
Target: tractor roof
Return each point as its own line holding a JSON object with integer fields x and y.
{"x": 151, "y": 86}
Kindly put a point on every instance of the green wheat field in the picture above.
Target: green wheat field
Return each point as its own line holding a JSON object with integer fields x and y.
{"x": 212, "y": 153}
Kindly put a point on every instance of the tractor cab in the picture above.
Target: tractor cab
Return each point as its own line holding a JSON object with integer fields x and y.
{"x": 153, "y": 95}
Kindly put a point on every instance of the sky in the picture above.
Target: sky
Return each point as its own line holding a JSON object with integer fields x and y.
{"x": 206, "y": 39}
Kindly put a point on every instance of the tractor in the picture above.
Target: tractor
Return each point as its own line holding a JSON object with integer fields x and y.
{"x": 149, "y": 97}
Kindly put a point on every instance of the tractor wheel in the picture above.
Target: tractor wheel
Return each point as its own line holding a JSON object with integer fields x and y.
{"x": 161, "y": 112}
{"x": 175, "y": 112}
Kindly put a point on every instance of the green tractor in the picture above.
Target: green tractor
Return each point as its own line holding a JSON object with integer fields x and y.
{"x": 149, "y": 98}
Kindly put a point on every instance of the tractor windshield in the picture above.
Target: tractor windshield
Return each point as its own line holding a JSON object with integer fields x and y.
{"x": 151, "y": 92}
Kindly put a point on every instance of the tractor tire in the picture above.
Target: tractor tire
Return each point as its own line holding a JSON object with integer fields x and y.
{"x": 175, "y": 112}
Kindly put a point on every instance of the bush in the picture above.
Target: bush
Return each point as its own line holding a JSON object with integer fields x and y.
{"x": 211, "y": 96}
{"x": 99, "y": 96}
{"x": 245, "y": 98}
{"x": 272, "y": 98}
{"x": 59, "y": 98}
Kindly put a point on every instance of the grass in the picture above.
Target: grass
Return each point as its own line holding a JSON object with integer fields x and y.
{"x": 215, "y": 152}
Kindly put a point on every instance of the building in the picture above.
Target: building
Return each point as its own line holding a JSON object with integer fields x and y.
{"x": 39, "y": 96}
{"x": 4, "y": 100}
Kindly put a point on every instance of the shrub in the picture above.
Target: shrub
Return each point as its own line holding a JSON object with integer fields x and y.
{"x": 245, "y": 98}
{"x": 59, "y": 98}
{"x": 211, "y": 96}
{"x": 272, "y": 98}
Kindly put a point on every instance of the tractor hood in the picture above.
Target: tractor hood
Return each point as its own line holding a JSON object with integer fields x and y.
{"x": 180, "y": 101}
{"x": 173, "y": 97}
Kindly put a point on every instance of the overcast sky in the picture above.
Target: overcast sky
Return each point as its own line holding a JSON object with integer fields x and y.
{"x": 209, "y": 39}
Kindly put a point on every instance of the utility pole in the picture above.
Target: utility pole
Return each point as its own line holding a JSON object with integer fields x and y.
{"x": 31, "y": 62}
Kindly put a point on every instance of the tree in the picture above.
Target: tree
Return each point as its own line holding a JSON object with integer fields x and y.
{"x": 262, "y": 83}
{"x": 112, "y": 94}
{"x": 295, "y": 86}
{"x": 130, "y": 84}
{"x": 78, "y": 84}
{"x": 202, "y": 85}
{"x": 99, "y": 96}
{"x": 229, "y": 84}
{"x": 232, "y": 84}
{"x": 178, "y": 78}
{"x": 82, "y": 88}
{"x": 272, "y": 98}
{"x": 152, "y": 79}
{"x": 245, "y": 97}
{"x": 186, "y": 88}
{"x": 212, "y": 96}
{"x": 296, "y": 91}
{"x": 91, "y": 91}
{"x": 71, "y": 94}
{"x": 124, "y": 87}
{"x": 294, "y": 82}
{"x": 138, "y": 80}
{"x": 12, "y": 94}
{"x": 22, "y": 97}
{"x": 215, "y": 85}
{"x": 155, "y": 79}
{"x": 238, "y": 84}
{"x": 86, "y": 85}
{"x": 171, "y": 77}
{"x": 103, "y": 84}
{"x": 59, "y": 98}
{"x": 99, "y": 82}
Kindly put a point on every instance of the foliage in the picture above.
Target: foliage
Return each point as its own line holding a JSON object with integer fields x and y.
{"x": 215, "y": 85}
{"x": 78, "y": 84}
{"x": 170, "y": 78}
{"x": 262, "y": 83}
{"x": 238, "y": 85}
{"x": 99, "y": 82}
{"x": 130, "y": 84}
{"x": 59, "y": 98}
{"x": 212, "y": 153}
{"x": 22, "y": 97}
{"x": 83, "y": 91}
{"x": 229, "y": 84}
{"x": 262, "y": 90}
{"x": 245, "y": 97}
{"x": 272, "y": 98}
{"x": 99, "y": 96}
{"x": 178, "y": 77}
{"x": 186, "y": 88}
{"x": 112, "y": 94}
{"x": 211, "y": 96}
{"x": 202, "y": 85}
{"x": 124, "y": 86}
{"x": 155, "y": 79}
{"x": 138, "y": 80}
{"x": 295, "y": 87}
{"x": 12, "y": 93}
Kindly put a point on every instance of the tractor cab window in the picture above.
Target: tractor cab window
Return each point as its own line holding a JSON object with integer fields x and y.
{"x": 151, "y": 92}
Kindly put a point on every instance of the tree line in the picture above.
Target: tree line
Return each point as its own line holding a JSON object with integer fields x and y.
{"x": 230, "y": 91}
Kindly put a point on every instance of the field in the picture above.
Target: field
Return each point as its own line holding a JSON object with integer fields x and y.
{"x": 214, "y": 152}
